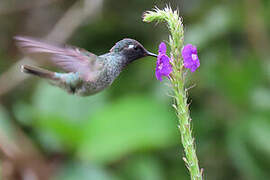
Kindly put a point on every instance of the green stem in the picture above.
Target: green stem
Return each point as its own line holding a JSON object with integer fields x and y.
{"x": 184, "y": 120}
{"x": 177, "y": 79}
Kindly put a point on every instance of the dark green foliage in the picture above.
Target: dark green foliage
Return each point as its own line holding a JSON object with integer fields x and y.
{"x": 130, "y": 131}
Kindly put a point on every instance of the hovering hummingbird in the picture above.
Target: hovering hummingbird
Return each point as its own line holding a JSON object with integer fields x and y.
{"x": 85, "y": 73}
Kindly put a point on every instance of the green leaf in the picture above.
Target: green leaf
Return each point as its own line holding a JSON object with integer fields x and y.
{"x": 260, "y": 99}
{"x": 57, "y": 117}
{"x": 72, "y": 171}
{"x": 215, "y": 24}
{"x": 56, "y": 133}
{"x": 143, "y": 167}
{"x": 50, "y": 100}
{"x": 248, "y": 146}
{"x": 6, "y": 127}
{"x": 130, "y": 124}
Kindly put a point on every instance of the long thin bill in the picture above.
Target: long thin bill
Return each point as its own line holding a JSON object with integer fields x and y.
{"x": 151, "y": 54}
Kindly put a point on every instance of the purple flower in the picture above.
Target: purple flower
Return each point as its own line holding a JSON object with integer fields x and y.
{"x": 190, "y": 56}
{"x": 164, "y": 67}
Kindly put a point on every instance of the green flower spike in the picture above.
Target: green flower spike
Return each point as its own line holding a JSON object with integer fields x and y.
{"x": 177, "y": 79}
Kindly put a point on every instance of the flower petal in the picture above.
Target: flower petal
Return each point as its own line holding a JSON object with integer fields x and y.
{"x": 190, "y": 57}
{"x": 158, "y": 75}
{"x": 164, "y": 67}
{"x": 162, "y": 48}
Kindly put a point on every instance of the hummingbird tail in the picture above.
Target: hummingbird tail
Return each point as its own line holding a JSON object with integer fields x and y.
{"x": 43, "y": 73}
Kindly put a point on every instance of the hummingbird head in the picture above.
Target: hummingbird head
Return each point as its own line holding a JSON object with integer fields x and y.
{"x": 131, "y": 49}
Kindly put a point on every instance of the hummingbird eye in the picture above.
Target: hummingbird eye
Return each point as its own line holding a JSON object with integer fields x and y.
{"x": 138, "y": 48}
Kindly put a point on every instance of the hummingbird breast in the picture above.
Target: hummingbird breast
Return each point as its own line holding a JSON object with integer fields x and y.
{"x": 112, "y": 69}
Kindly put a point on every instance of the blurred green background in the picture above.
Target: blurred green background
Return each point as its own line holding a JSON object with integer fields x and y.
{"x": 129, "y": 131}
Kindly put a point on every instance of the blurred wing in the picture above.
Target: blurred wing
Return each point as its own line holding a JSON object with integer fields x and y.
{"x": 70, "y": 59}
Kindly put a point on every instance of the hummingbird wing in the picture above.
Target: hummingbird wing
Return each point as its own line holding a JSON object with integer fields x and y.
{"x": 68, "y": 58}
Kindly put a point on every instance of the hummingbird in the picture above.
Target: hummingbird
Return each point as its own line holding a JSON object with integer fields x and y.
{"x": 84, "y": 73}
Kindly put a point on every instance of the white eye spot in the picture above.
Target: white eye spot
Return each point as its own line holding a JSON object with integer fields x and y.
{"x": 130, "y": 46}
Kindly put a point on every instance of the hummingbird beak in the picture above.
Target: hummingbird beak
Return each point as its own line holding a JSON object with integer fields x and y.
{"x": 150, "y": 54}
